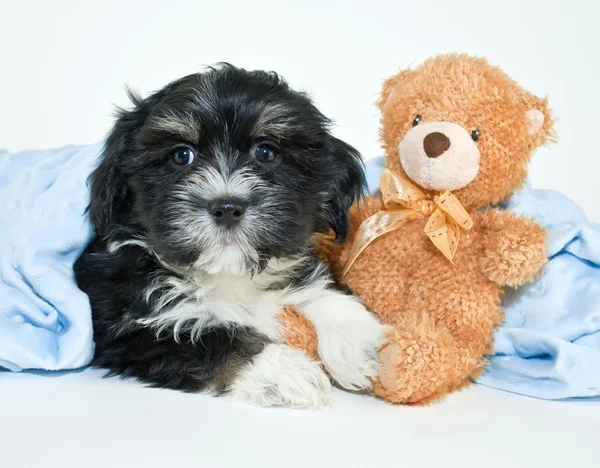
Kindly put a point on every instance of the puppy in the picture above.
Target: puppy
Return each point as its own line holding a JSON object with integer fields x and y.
{"x": 205, "y": 201}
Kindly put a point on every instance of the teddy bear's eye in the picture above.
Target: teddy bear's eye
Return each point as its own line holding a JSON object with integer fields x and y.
{"x": 475, "y": 134}
{"x": 417, "y": 120}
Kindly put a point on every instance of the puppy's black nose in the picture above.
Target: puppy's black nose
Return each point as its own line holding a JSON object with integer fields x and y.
{"x": 227, "y": 211}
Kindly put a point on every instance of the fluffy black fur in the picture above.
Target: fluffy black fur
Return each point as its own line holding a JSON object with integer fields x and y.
{"x": 115, "y": 285}
{"x": 152, "y": 223}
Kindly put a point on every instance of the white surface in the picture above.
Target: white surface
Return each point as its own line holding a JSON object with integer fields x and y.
{"x": 65, "y": 63}
{"x": 82, "y": 421}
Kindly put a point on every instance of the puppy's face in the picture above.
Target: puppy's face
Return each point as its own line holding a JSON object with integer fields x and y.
{"x": 224, "y": 171}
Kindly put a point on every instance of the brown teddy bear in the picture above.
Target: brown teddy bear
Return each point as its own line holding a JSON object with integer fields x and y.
{"x": 432, "y": 254}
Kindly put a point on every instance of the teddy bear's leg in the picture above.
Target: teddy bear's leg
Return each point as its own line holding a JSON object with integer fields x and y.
{"x": 418, "y": 361}
{"x": 473, "y": 331}
{"x": 430, "y": 354}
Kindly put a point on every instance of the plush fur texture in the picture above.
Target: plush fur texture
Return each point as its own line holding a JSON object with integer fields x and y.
{"x": 205, "y": 201}
{"x": 443, "y": 314}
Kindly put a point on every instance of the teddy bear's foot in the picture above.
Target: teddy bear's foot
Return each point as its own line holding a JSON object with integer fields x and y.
{"x": 418, "y": 364}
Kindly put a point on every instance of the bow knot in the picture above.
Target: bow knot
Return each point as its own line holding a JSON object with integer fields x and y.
{"x": 403, "y": 202}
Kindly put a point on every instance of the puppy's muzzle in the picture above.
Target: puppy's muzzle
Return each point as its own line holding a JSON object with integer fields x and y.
{"x": 227, "y": 212}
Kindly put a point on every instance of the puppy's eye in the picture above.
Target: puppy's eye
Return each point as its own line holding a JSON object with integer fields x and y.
{"x": 417, "y": 120}
{"x": 182, "y": 157}
{"x": 266, "y": 153}
{"x": 475, "y": 134}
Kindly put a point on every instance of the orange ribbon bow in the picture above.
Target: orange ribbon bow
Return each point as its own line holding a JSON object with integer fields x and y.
{"x": 404, "y": 202}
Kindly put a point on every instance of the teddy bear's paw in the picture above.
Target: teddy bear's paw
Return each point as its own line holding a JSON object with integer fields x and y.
{"x": 283, "y": 376}
{"x": 517, "y": 255}
{"x": 349, "y": 347}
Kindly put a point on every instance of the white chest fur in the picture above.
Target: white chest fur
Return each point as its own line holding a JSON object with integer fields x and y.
{"x": 349, "y": 335}
{"x": 203, "y": 301}
{"x": 233, "y": 300}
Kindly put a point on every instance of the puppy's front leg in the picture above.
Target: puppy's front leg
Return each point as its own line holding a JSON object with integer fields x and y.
{"x": 240, "y": 362}
{"x": 282, "y": 376}
{"x": 348, "y": 337}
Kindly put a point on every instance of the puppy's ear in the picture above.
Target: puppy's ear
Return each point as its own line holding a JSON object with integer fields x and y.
{"x": 109, "y": 202}
{"x": 348, "y": 185}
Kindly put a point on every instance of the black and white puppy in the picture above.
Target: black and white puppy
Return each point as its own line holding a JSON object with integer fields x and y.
{"x": 205, "y": 202}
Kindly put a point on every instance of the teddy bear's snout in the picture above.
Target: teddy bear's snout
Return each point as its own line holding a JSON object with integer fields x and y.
{"x": 435, "y": 144}
{"x": 439, "y": 155}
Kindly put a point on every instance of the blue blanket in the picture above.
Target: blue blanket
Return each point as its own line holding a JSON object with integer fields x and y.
{"x": 549, "y": 346}
{"x": 45, "y": 320}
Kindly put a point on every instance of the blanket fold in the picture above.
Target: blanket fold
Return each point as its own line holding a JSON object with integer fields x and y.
{"x": 45, "y": 320}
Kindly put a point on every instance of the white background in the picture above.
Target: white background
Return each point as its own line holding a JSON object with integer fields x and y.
{"x": 64, "y": 64}
{"x": 77, "y": 420}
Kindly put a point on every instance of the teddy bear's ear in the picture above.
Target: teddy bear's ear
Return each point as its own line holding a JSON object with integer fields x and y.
{"x": 539, "y": 118}
{"x": 390, "y": 85}
{"x": 535, "y": 120}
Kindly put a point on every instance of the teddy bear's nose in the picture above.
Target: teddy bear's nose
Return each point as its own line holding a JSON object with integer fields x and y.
{"x": 435, "y": 144}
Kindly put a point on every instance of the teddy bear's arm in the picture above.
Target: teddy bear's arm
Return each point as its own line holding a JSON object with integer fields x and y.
{"x": 514, "y": 248}
{"x": 336, "y": 255}
{"x": 299, "y": 332}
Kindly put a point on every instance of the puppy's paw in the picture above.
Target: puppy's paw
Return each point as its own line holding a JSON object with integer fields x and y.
{"x": 349, "y": 345}
{"x": 282, "y": 376}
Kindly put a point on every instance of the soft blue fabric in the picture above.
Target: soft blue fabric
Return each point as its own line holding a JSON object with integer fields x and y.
{"x": 549, "y": 345}
{"x": 45, "y": 320}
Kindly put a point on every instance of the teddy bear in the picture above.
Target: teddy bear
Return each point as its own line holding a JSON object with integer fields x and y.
{"x": 432, "y": 253}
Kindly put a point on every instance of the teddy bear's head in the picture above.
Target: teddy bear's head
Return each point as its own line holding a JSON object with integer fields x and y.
{"x": 458, "y": 123}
